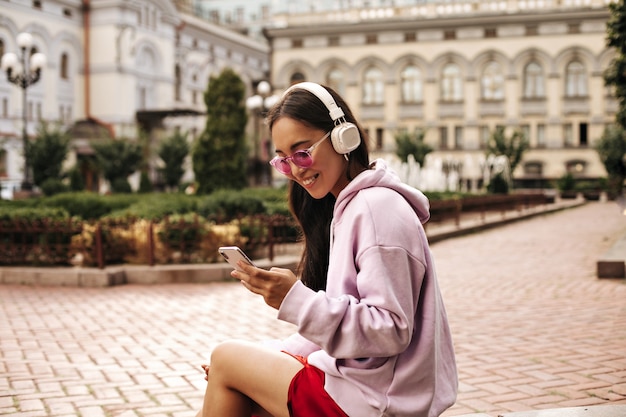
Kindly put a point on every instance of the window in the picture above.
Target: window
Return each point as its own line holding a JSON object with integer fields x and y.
{"x": 371, "y": 39}
{"x": 379, "y": 138}
{"x": 573, "y": 28}
{"x": 333, "y": 41}
{"x": 451, "y": 83}
{"x": 582, "y": 135}
{"x": 411, "y": 84}
{"x": 449, "y": 35}
{"x": 36, "y": 4}
{"x": 373, "y": 86}
{"x": 533, "y": 168}
{"x": 458, "y": 137}
{"x": 492, "y": 82}
{"x": 177, "y": 82}
{"x": 568, "y": 135}
{"x": 64, "y": 64}
{"x": 410, "y": 37}
{"x": 485, "y": 136}
{"x": 3, "y": 163}
{"x": 541, "y": 136}
{"x": 532, "y": 30}
{"x": 297, "y": 77}
{"x": 336, "y": 81}
{"x": 575, "y": 80}
{"x": 297, "y": 43}
{"x": 525, "y": 129}
{"x": 576, "y": 167}
{"x": 443, "y": 137}
{"x": 533, "y": 81}
{"x": 491, "y": 33}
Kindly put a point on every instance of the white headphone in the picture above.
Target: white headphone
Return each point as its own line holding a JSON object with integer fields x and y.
{"x": 345, "y": 135}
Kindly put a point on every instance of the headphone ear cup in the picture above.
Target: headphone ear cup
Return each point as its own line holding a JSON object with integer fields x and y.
{"x": 345, "y": 138}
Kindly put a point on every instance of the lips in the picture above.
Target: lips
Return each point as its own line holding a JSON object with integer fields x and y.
{"x": 309, "y": 181}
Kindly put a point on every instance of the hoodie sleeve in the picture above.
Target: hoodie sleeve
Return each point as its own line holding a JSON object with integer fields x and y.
{"x": 373, "y": 289}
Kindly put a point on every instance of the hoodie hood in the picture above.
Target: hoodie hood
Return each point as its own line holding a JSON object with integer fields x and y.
{"x": 380, "y": 175}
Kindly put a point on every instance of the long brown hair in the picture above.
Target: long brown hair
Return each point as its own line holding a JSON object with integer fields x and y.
{"x": 315, "y": 215}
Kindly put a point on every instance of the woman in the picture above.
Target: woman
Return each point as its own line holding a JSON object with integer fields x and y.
{"x": 373, "y": 337}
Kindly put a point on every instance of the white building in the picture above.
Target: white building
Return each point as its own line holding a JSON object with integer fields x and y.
{"x": 461, "y": 68}
{"x": 457, "y": 68}
{"x": 113, "y": 66}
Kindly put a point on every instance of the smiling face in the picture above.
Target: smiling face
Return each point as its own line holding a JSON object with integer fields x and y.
{"x": 327, "y": 174}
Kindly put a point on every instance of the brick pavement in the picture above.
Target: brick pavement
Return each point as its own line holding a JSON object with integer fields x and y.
{"x": 533, "y": 328}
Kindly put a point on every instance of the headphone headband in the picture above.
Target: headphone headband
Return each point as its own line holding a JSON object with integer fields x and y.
{"x": 320, "y": 92}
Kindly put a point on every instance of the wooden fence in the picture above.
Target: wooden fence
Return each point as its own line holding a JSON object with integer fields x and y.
{"x": 107, "y": 242}
{"x": 183, "y": 240}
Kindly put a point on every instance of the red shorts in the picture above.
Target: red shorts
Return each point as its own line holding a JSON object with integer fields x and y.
{"x": 307, "y": 397}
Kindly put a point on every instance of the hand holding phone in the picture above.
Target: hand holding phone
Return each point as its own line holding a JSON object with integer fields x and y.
{"x": 233, "y": 254}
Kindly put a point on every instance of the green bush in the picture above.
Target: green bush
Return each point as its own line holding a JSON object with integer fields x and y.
{"x": 87, "y": 205}
{"x": 177, "y": 234}
{"x": 566, "y": 182}
{"x": 226, "y": 205}
{"x": 498, "y": 185}
{"x": 121, "y": 185}
{"x": 145, "y": 185}
{"x": 30, "y": 214}
{"x": 77, "y": 183}
{"x": 53, "y": 186}
{"x": 157, "y": 206}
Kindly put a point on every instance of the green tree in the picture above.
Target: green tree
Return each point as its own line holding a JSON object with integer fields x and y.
{"x": 615, "y": 74}
{"x": 219, "y": 155}
{"x": 47, "y": 154}
{"x": 412, "y": 144}
{"x": 117, "y": 159}
{"x": 612, "y": 145}
{"x": 612, "y": 151}
{"x": 512, "y": 147}
{"x": 173, "y": 151}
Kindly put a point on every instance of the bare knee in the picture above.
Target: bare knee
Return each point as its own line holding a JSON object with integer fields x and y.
{"x": 225, "y": 359}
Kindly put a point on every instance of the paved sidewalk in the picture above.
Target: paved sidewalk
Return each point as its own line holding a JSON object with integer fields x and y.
{"x": 533, "y": 328}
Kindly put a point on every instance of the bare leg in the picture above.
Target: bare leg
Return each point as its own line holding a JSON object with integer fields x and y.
{"x": 246, "y": 378}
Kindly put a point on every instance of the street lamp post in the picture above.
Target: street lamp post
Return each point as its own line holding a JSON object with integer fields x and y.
{"x": 258, "y": 104}
{"x": 30, "y": 73}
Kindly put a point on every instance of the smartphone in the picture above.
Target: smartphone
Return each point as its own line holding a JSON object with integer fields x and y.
{"x": 233, "y": 254}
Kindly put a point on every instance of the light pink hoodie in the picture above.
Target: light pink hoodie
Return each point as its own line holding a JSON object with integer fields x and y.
{"x": 379, "y": 331}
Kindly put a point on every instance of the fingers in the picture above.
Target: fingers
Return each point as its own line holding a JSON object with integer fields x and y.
{"x": 205, "y": 368}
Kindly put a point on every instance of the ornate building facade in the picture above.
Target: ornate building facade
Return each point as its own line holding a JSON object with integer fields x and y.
{"x": 461, "y": 69}
{"x": 113, "y": 67}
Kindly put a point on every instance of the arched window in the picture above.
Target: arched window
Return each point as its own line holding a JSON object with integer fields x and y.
{"x": 373, "y": 86}
{"x": 177, "y": 82}
{"x": 336, "y": 81}
{"x": 63, "y": 71}
{"x": 576, "y": 166}
{"x": 411, "y": 84}
{"x": 297, "y": 77}
{"x": 3, "y": 163}
{"x": 492, "y": 82}
{"x": 533, "y": 168}
{"x": 533, "y": 81}
{"x": 451, "y": 83}
{"x": 575, "y": 79}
